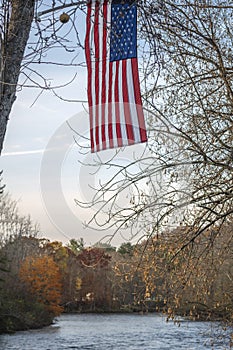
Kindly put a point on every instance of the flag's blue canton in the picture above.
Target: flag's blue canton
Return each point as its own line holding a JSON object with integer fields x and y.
{"x": 123, "y": 38}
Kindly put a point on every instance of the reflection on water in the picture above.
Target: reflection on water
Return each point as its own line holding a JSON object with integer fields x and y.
{"x": 116, "y": 332}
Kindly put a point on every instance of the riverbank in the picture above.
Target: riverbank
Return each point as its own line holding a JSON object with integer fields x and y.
{"x": 11, "y": 324}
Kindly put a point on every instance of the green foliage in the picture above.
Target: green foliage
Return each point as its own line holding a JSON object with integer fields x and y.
{"x": 76, "y": 245}
{"x": 126, "y": 248}
{"x": 21, "y": 313}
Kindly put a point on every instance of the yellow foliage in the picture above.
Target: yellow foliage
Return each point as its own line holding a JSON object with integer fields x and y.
{"x": 78, "y": 283}
{"x": 43, "y": 279}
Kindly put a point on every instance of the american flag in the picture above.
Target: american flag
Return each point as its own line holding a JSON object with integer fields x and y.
{"x": 115, "y": 106}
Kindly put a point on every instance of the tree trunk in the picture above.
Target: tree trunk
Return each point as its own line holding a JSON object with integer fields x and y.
{"x": 17, "y": 24}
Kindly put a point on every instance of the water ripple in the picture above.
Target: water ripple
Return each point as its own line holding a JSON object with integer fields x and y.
{"x": 119, "y": 332}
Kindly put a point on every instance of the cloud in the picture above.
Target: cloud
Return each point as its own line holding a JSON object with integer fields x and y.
{"x": 22, "y": 153}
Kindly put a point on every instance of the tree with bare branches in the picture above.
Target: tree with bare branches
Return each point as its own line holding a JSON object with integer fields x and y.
{"x": 185, "y": 175}
{"x": 28, "y": 31}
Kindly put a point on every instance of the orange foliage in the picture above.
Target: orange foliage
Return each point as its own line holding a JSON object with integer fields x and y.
{"x": 43, "y": 279}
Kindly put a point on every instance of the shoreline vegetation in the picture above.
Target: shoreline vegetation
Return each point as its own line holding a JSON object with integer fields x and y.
{"x": 10, "y": 324}
{"x": 40, "y": 279}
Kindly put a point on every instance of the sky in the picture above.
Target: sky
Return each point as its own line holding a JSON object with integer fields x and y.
{"x": 29, "y": 131}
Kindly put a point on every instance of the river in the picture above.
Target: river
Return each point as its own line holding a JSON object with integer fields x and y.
{"x": 117, "y": 332}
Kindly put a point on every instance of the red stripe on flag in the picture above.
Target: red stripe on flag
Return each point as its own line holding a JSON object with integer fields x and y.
{"x": 97, "y": 80}
{"x": 117, "y": 107}
{"x": 125, "y": 87}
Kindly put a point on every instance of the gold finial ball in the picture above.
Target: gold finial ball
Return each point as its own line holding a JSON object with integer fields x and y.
{"x": 64, "y": 18}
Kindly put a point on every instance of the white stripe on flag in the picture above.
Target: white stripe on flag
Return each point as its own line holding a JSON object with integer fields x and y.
{"x": 121, "y": 108}
{"x": 114, "y": 134}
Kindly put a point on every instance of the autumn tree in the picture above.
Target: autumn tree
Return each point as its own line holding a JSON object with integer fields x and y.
{"x": 127, "y": 284}
{"x": 196, "y": 283}
{"x": 95, "y": 268}
{"x": 67, "y": 261}
{"x": 17, "y": 241}
{"x": 43, "y": 280}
